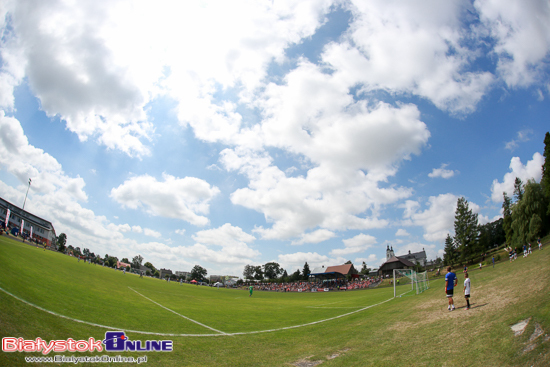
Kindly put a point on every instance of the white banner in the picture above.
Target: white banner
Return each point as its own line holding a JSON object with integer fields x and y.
{"x": 7, "y": 219}
{"x": 31, "y": 233}
{"x": 22, "y": 225}
{"x": 326, "y": 289}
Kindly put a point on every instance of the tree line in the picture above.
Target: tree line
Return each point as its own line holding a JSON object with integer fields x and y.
{"x": 273, "y": 272}
{"x": 525, "y": 219}
{"x": 198, "y": 273}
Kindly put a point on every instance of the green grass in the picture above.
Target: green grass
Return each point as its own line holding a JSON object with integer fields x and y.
{"x": 262, "y": 329}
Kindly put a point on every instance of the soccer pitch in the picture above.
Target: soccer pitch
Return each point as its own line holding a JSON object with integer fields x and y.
{"x": 55, "y": 297}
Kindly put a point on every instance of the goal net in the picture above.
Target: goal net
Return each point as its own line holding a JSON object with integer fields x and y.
{"x": 408, "y": 281}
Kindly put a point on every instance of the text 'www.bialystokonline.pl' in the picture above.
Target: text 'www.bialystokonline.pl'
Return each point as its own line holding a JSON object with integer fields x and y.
{"x": 86, "y": 359}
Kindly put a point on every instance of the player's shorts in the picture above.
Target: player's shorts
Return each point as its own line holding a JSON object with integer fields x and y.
{"x": 466, "y": 296}
{"x": 450, "y": 292}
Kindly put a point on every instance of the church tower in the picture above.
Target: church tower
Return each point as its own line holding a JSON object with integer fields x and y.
{"x": 389, "y": 253}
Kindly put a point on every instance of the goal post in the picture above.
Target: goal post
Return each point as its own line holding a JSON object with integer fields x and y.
{"x": 422, "y": 282}
{"x": 418, "y": 281}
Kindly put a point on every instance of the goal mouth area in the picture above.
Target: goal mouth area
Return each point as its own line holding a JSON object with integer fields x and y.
{"x": 403, "y": 277}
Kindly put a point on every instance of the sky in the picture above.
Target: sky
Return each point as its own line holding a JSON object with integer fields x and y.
{"x": 233, "y": 133}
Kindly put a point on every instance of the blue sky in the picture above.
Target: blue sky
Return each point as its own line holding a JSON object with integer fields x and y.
{"x": 231, "y": 133}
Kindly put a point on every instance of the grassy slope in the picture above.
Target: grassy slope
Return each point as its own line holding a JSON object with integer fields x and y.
{"x": 406, "y": 331}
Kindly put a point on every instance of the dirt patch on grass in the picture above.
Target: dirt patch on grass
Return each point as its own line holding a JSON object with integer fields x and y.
{"x": 338, "y": 354}
{"x": 306, "y": 363}
{"x": 519, "y": 328}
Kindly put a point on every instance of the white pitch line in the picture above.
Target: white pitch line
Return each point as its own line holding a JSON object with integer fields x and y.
{"x": 187, "y": 335}
{"x": 322, "y": 307}
{"x": 185, "y": 317}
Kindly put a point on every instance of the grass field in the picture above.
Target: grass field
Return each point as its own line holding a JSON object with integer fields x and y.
{"x": 225, "y": 327}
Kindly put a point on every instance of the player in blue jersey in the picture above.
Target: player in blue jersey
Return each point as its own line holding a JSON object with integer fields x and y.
{"x": 450, "y": 282}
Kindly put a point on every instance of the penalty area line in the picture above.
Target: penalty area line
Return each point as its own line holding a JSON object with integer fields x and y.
{"x": 180, "y": 315}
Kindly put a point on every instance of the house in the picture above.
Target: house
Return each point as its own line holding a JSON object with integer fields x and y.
{"x": 416, "y": 257}
{"x": 120, "y": 264}
{"x": 394, "y": 263}
{"x": 335, "y": 272}
{"x": 183, "y": 274}
{"x": 165, "y": 272}
{"x": 40, "y": 229}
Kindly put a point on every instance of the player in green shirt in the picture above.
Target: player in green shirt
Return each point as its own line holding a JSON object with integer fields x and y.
{"x": 250, "y": 289}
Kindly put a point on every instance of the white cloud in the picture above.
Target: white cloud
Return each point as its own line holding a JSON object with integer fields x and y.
{"x": 151, "y": 233}
{"x": 437, "y": 220}
{"x": 232, "y": 240}
{"x": 523, "y": 136}
{"x": 97, "y": 67}
{"x": 359, "y": 243}
{"x": 442, "y": 172}
{"x": 25, "y": 161}
{"x": 402, "y": 233}
{"x": 180, "y": 231}
{"x": 180, "y": 198}
{"x": 532, "y": 170}
{"x": 317, "y": 236}
{"x": 522, "y": 34}
{"x": 372, "y": 261}
{"x": 341, "y": 138}
{"x": 423, "y": 40}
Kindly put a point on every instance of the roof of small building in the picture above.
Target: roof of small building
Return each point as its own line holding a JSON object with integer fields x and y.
{"x": 399, "y": 259}
{"x": 342, "y": 269}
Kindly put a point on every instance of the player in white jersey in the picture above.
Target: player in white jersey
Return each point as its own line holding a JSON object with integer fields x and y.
{"x": 467, "y": 285}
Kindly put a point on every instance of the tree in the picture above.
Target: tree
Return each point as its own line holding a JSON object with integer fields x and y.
{"x": 518, "y": 189}
{"x": 125, "y": 260}
{"x": 198, "y": 273}
{"x": 364, "y": 269}
{"x": 535, "y": 227}
{"x": 449, "y": 254}
{"x": 150, "y": 266}
{"x": 258, "y": 272}
{"x": 110, "y": 261}
{"x": 136, "y": 261}
{"x": 507, "y": 218}
{"x": 284, "y": 277}
{"x": 61, "y": 242}
{"x": 295, "y": 276}
{"x": 490, "y": 234}
{"x": 306, "y": 272}
{"x": 533, "y": 202}
{"x": 248, "y": 272}
{"x": 272, "y": 270}
{"x": 466, "y": 230}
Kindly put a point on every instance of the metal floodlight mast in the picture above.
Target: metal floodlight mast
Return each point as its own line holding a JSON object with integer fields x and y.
{"x": 27, "y": 193}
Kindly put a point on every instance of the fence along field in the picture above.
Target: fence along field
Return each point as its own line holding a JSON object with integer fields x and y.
{"x": 364, "y": 336}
